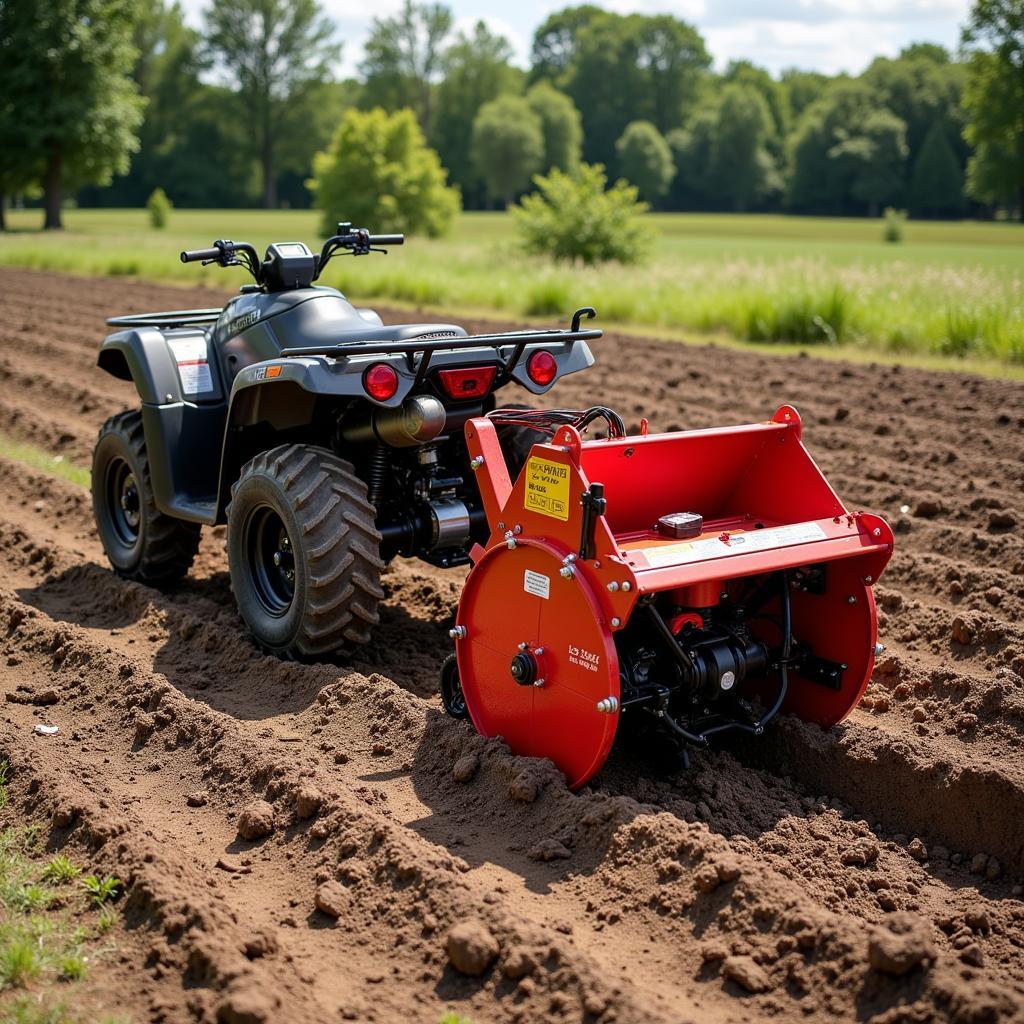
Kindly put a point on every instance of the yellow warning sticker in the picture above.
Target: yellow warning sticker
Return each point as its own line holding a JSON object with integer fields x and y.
{"x": 547, "y": 488}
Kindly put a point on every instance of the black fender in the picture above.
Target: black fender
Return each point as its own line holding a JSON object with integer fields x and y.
{"x": 184, "y": 429}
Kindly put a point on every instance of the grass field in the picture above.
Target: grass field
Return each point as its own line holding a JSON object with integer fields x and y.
{"x": 951, "y": 292}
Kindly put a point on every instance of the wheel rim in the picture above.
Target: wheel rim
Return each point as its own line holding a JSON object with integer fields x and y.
{"x": 453, "y": 696}
{"x": 123, "y": 501}
{"x": 270, "y": 559}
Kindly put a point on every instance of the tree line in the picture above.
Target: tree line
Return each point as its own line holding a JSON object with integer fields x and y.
{"x": 108, "y": 100}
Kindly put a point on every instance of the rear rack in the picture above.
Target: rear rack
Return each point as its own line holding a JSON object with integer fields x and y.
{"x": 426, "y": 347}
{"x": 172, "y": 318}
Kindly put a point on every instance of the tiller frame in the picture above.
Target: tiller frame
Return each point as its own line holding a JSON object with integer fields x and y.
{"x": 683, "y": 584}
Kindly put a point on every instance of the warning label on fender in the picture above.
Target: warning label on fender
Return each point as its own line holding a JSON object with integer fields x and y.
{"x": 547, "y": 488}
{"x": 193, "y": 366}
{"x": 736, "y": 544}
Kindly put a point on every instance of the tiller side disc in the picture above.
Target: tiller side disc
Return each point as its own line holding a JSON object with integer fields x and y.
{"x": 675, "y": 586}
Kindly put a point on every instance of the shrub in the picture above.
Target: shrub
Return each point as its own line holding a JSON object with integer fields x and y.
{"x": 645, "y": 159}
{"x": 379, "y": 173}
{"x": 574, "y": 217}
{"x": 895, "y": 220}
{"x": 159, "y": 208}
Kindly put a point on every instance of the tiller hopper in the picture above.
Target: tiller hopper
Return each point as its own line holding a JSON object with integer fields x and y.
{"x": 673, "y": 587}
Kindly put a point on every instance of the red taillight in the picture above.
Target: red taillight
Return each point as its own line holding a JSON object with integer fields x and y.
{"x": 468, "y": 382}
{"x": 542, "y": 367}
{"x": 380, "y": 382}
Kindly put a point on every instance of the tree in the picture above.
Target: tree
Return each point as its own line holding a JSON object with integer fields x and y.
{"x": 477, "y": 70}
{"x": 994, "y": 101}
{"x": 937, "y": 184}
{"x": 741, "y": 169}
{"x": 645, "y": 160}
{"x": 379, "y": 173}
{"x": 776, "y": 102}
{"x": 508, "y": 146}
{"x": 560, "y": 124}
{"x": 554, "y": 41}
{"x": 873, "y": 155}
{"x": 70, "y": 109}
{"x": 802, "y": 88}
{"x": 402, "y": 59}
{"x": 629, "y": 68}
{"x": 276, "y": 51}
{"x": 847, "y": 152}
{"x": 574, "y": 217}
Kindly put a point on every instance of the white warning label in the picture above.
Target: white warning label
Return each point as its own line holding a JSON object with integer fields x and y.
{"x": 193, "y": 365}
{"x": 537, "y": 583}
{"x": 736, "y": 544}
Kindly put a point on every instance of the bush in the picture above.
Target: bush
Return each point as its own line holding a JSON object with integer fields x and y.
{"x": 159, "y": 208}
{"x": 573, "y": 217}
{"x": 379, "y": 173}
{"x": 894, "y": 223}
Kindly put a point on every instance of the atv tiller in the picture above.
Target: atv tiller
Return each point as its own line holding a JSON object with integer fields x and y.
{"x": 676, "y": 586}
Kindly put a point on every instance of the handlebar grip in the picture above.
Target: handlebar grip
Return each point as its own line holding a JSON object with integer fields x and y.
{"x": 195, "y": 255}
{"x": 387, "y": 239}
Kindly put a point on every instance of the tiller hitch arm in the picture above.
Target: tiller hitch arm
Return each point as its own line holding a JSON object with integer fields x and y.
{"x": 672, "y": 585}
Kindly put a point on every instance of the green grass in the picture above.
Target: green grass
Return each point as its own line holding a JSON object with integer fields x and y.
{"x": 951, "y": 292}
{"x": 45, "y": 953}
{"x": 39, "y": 458}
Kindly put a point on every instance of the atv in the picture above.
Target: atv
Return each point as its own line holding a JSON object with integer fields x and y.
{"x": 327, "y": 441}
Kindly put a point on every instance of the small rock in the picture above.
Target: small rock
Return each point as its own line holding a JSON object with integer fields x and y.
{"x": 197, "y": 798}
{"x": 746, "y": 973}
{"x": 465, "y": 768}
{"x": 260, "y": 944}
{"x": 524, "y": 788}
{"x": 144, "y": 726}
{"x": 64, "y": 815}
{"x": 973, "y": 955}
{"x": 728, "y": 869}
{"x": 705, "y": 878}
{"x": 308, "y": 801}
{"x": 919, "y": 714}
{"x": 713, "y": 952}
{"x": 550, "y": 849}
{"x": 977, "y": 920}
{"x": 993, "y": 869}
{"x": 900, "y": 943}
{"x": 471, "y": 947}
{"x": 247, "y": 1005}
{"x": 917, "y": 850}
{"x": 226, "y": 863}
{"x": 1002, "y": 520}
{"x": 332, "y": 899}
{"x": 518, "y": 962}
{"x": 256, "y": 820}
{"x": 979, "y": 862}
{"x": 860, "y": 853}
{"x": 927, "y": 508}
{"x": 962, "y": 631}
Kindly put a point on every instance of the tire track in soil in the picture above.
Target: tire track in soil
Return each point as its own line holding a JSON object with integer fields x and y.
{"x": 641, "y": 937}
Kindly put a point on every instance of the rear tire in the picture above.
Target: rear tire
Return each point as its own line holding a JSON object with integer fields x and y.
{"x": 142, "y": 543}
{"x": 304, "y": 552}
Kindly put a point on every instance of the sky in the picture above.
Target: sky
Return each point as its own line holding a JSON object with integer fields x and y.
{"x": 818, "y": 35}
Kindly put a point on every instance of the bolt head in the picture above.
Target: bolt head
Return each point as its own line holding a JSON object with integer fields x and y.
{"x": 728, "y": 680}
{"x": 626, "y": 585}
{"x": 851, "y": 599}
{"x": 878, "y": 649}
{"x": 538, "y": 683}
{"x": 616, "y": 623}
{"x": 613, "y": 586}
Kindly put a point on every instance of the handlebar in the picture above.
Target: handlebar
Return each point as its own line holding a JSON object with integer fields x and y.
{"x": 387, "y": 239}
{"x": 195, "y": 255}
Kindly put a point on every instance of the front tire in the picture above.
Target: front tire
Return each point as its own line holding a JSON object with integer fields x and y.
{"x": 142, "y": 543}
{"x": 304, "y": 552}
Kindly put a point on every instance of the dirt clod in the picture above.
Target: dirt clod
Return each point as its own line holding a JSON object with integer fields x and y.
{"x": 900, "y": 943}
{"x": 332, "y": 899}
{"x": 465, "y": 768}
{"x": 550, "y": 849}
{"x": 746, "y": 973}
{"x": 471, "y": 947}
{"x": 308, "y": 802}
{"x": 256, "y": 820}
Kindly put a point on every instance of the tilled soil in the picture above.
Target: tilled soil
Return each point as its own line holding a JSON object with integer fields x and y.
{"x": 790, "y": 878}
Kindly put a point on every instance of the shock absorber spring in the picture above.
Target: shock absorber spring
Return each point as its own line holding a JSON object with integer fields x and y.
{"x": 377, "y": 474}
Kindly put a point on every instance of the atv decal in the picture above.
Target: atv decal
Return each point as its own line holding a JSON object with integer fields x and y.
{"x": 547, "y": 488}
{"x": 193, "y": 365}
{"x": 240, "y": 323}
